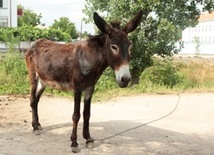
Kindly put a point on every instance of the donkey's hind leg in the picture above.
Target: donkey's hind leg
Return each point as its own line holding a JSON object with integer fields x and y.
{"x": 37, "y": 88}
{"x": 36, "y": 91}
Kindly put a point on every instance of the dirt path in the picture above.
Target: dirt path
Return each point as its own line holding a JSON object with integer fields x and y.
{"x": 189, "y": 130}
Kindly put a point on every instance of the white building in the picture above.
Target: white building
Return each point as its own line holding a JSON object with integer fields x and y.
{"x": 8, "y": 13}
{"x": 200, "y": 39}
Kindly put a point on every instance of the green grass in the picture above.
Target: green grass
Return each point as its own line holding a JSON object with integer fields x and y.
{"x": 13, "y": 74}
{"x": 164, "y": 77}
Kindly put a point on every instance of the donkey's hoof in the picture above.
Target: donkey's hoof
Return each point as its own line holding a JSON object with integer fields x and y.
{"x": 75, "y": 149}
{"x": 90, "y": 143}
{"x": 40, "y": 127}
{"x": 36, "y": 132}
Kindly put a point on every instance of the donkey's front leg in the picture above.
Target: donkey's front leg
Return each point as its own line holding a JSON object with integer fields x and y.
{"x": 86, "y": 115}
{"x": 75, "y": 118}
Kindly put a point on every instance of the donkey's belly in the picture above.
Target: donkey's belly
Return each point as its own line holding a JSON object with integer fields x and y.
{"x": 59, "y": 86}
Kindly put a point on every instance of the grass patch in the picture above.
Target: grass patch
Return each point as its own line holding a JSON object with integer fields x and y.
{"x": 13, "y": 74}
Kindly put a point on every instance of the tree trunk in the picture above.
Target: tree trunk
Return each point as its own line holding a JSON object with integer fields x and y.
{"x": 135, "y": 80}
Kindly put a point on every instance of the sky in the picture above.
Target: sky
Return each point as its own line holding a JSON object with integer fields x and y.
{"x": 54, "y": 9}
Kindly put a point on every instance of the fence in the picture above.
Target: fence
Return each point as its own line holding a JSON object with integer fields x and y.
{"x": 22, "y": 46}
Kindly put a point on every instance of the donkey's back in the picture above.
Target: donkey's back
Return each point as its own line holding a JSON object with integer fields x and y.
{"x": 51, "y": 63}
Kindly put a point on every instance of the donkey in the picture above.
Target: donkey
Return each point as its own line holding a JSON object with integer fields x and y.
{"x": 77, "y": 66}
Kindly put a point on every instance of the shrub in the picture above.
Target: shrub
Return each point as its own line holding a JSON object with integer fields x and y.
{"x": 106, "y": 82}
{"x": 163, "y": 73}
{"x": 13, "y": 74}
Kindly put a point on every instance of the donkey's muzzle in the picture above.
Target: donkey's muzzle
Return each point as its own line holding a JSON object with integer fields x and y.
{"x": 123, "y": 76}
{"x": 124, "y": 81}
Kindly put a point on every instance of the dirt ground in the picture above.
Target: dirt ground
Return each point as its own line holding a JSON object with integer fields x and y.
{"x": 151, "y": 125}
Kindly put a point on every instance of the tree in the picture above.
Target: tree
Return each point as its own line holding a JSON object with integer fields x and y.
{"x": 10, "y": 37}
{"x": 64, "y": 25}
{"x": 85, "y": 34}
{"x": 29, "y": 18}
{"x": 161, "y": 26}
{"x": 56, "y": 35}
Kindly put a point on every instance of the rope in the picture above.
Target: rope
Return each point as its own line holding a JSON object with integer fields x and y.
{"x": 144, "y": 124}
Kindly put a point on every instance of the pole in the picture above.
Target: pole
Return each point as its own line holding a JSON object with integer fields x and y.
{"x": 81, "y": 30}
{"x": 10, "y": 13}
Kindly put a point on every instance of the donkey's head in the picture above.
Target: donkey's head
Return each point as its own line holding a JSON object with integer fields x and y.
{"x": 118, "y": 46}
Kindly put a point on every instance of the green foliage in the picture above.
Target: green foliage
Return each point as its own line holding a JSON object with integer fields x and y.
{"x": 56, "y": 35}
{"x": 106, "y": 82}
{"x": 161, "y": 25}
{"x": 29, "y": 18}
{"x": 13, "y": 74}
{"x": 61, "y": 30}
{"x": 10, "y": 37}
{"x": 13, "y": 36}
{"x": 65, "y": 25}
{"x": 29, "y": 33}
{"x": 163, "y": 73}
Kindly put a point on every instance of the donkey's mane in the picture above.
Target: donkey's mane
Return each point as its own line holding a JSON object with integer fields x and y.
{"x": 97, "y": 40}
{"x": 115, "y": 24}
{"x": 100, "y": 39}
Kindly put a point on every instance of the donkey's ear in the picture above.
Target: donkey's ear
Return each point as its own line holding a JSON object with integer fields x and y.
{"x": 132, "y": 25}
{"x": 101, "y": 24}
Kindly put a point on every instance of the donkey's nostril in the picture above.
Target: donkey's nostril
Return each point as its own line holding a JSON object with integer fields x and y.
{"x": 122, "y": 79}
{"x": 125, "y": 79}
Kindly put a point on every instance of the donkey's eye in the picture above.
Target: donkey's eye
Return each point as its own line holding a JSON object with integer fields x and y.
{"x": 114, "y": 48}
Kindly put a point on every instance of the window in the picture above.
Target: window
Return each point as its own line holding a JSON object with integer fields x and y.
{"x": 202, "y": 39}
{"x": 3, "y": 22}
{"x": 1, "y": 3}
{"x": 210, "y": 28}
{"x": 209, "y": 39}
{"x": 205, "y": 28}
{"x": 205, "y": 39}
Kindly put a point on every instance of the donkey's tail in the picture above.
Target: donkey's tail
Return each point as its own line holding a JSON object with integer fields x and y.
{"x": 31, "y": 67}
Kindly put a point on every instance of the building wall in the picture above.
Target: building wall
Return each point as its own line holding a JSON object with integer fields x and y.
{"x": 200, "y": 39}
{"x": 8, "y": 14}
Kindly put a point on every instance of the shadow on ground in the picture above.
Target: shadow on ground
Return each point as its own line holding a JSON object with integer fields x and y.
{"x": 149, "y": 140}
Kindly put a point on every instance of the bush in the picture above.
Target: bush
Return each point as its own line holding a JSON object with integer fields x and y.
{"x": 163, "y": 73}
{"x": 13, "y": 74}
{"x": 10, "y": 37}
{"x": 13, "y": 36}
{"x": 106, "y": 82}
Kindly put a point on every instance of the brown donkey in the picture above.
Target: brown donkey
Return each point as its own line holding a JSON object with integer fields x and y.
{"x": 77, "y": 66}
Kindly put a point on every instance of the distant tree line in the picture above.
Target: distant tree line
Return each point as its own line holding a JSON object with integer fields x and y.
{"x": 30, "y": 29}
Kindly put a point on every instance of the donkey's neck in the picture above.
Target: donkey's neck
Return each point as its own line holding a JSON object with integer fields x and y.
{"x": 98, "y": 45}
